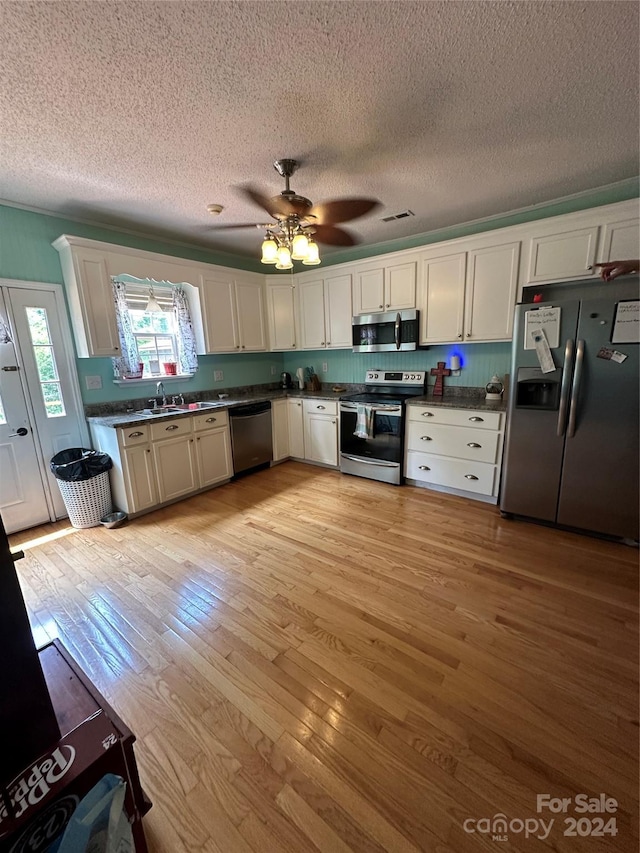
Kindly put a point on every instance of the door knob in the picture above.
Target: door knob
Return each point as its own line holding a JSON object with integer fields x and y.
{"x": 21, "y": 431}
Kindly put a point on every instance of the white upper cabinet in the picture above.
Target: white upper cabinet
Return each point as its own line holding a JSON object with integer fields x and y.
{"x": 219, "y": 314}
{"x": 232, "y": 314}
{"x": 441, "y": 298}
{"x": 312, "y": 326}
{"x": 620, "y": 240}
{"x": 250, "y": 314}
{"x": 281, "y": 311}
{"x": 468, "y": 296}
{"x": 90, "y": 295}
{"x": 325, "y": 312}
{"x": 338, "y": 311}
{"x": 385, "y": 287}
{"x": 565, "y": 254}
{"x": 491, "y": 292}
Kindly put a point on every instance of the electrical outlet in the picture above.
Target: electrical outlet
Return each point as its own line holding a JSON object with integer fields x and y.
{"x": 324, "y": 367}
{"x": 93, "y": 383}
{"x": 218, "y": 376}
{"x": 273, "y": 370}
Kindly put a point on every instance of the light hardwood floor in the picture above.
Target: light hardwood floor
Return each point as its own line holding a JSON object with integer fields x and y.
{"x": 318, "y": 662}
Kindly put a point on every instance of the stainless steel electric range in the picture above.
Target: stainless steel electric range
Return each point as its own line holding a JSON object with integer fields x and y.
{"x": 372, "y": 424}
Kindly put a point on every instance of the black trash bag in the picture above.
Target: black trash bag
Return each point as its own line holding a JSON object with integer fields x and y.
{"x": 79, "y": 463}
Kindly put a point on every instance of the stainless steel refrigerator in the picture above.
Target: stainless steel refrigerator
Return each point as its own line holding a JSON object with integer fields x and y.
{"x": 571, "y": 451}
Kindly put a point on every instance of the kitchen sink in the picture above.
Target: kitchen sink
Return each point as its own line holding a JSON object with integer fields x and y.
{"x": 181, "y": 407}
{"x": 191, "y": 407}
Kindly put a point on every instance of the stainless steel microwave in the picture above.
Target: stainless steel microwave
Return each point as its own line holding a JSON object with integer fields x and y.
{"x": 392, "y": 331}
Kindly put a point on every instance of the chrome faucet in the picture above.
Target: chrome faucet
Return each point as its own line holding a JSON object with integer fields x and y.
{"x": 160, "y": 390}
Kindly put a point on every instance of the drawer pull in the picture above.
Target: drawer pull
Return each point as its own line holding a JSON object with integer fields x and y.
{"x": 470, "y": 477}
{"x": 427, "y": 414}
{"x": 425, "y": 438}
{"x": 473, "y": 444}
{"x": 476, "y": 419}
{"x": 211, "y": 420}
{"x": 135, "y": 434}
{"x": 320, "y": 407}
{"x": 424, "y": 467}
{"x": 173, "y": 426}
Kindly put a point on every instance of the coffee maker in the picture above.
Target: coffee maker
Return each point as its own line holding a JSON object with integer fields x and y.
{"x": 285, "y": 380}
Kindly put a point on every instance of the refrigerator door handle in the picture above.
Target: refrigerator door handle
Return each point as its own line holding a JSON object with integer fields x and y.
{"x": 564, "y": 391}
{"x": 575, "y": 388}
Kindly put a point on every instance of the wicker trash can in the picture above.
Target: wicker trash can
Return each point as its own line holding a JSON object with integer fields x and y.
{"x": 83, "y": 479}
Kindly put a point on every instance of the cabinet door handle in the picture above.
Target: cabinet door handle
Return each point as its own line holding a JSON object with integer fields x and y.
{"x": 388, "y": 305}
{"x": 321, "y": 343}
{"x": 320, "y": 407}
{"x": 198, "y": 438}
{"x": 333, "y": 422}
{"x": 477, "y": 420}
{"x": 293, "y": 346}
{"x": 148, "y": 450}
{"x": 470, "y": 477}
{"x": 298, "y": 404}
{"x": 469, "y": 334}
{"x": 210, "y": 420}
{"x": 473, "y": 444}
{"x": 328, "y": 343}
{"x": 427, "y": 414}
{"x": 135, "y": 434}
{"x": 242, "y": 346}
{"x": 424, "y": 467}
{"x": 173, "y": 426}
{"x": 459, "y": 337}
{"x": 425, "y": 438}
{"x": 380, "y": 306}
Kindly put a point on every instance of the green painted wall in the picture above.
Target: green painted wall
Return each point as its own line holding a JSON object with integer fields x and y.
{"x": 479, "y": 362}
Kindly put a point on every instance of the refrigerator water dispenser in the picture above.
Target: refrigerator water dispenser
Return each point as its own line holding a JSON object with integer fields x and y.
{"x": 538, "y": 390}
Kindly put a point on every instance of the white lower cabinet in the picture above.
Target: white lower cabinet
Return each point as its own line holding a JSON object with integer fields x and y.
{"x": 321, "y": 431}
{"x": 280, "y": 429}
{"x": 139, "y": 473}
{"x": 165, "y": 460}
{"x": 295, "y": 423}
{"x": 457, "y": 450}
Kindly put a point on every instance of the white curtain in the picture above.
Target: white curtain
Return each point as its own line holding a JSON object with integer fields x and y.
{"x": 187, "y": 358}
{"x": 129, "y": 359}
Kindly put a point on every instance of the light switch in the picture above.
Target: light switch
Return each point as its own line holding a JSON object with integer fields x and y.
{"x": 93, "y": 383}
{"x": 324, "y": 367}
{"x": 218, "y": 376}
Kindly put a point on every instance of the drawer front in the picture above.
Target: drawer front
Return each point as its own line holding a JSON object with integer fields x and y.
{"x": 480, "y": 445}
{"x": 320, "y": 407}
{"x": 170, "y": 428}
{"x": 130, "y": 436}
{"x": 210, "y": 420}
{"x": 455, "y": 417}
{"x": 476, "y": 477}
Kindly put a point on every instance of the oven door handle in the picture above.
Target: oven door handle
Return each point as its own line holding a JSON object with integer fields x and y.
{"x": 380, "y": 464}
{"x": 394, "y": 411}
{"x": 398, "y": 326}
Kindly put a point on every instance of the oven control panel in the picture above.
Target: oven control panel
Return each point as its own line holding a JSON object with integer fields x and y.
{"x": 396, "y": 377}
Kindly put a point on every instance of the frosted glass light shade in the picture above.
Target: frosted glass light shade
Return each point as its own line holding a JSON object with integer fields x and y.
{"x": 313, "y": 254}
{"x": 284, "y": 259}
{"x": 269, "y": 251}
{"x": 299, "y": 247}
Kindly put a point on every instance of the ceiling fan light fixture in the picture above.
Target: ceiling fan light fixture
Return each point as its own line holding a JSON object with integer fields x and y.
{"x": 269, "y": 250}
{"x": 299, "y": 247}
{"x": 152, "y": 303}
{"x": 284, "y": 258}
{"x": 313, "y": 254}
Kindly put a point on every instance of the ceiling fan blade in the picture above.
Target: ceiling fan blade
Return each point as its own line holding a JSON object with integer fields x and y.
{"x": 342, "y": 210}
{"x": 333, "y": 236}
{"x": 239, "y": 225}
{"x": 273, "y": 206}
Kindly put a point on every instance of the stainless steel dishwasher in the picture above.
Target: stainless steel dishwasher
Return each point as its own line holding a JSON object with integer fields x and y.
{"x": 251, "y": 436}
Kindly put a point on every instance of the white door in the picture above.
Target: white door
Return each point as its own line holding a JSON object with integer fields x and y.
{"x": 280, "y": 429}
{"x": 400, "y": 287}
{"x": 369, "y": 291}
{"x": 175, "y": 467}
{"x": 441, "y": 301}
{"x": 250, "y": 308}
{"x": 492, "y": 285}
{"x": 41, "y": 408}
{"x": 296, "y": 429}
{"x": 321, "y": 439}
{"x": 282, "y": 322}
{"x": 213, "y": 457}
{"x": 221, "y": 328}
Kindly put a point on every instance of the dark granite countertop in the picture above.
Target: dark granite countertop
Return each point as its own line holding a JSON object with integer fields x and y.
{"x": 460, "y": 401}
{"x": 138, "y": 418}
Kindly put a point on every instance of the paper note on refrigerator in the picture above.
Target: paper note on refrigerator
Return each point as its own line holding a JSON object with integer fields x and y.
{"x": 626, "y": 326}
{"x": 541, "y": 346}
{"x": 547, "y": 319}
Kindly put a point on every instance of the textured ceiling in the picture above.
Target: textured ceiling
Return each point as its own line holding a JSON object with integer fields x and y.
{"x": 139, "y": 114}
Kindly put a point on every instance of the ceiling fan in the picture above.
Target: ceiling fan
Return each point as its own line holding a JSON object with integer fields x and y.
{"x": 297, "y": 217}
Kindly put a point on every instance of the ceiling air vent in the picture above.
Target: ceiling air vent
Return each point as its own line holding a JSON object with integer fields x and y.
{"x": 402, "y": 215}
